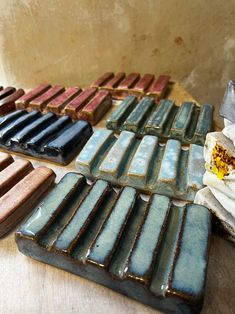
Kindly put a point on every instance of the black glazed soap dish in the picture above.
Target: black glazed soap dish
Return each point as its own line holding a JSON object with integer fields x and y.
{"x": 43, "y": 135}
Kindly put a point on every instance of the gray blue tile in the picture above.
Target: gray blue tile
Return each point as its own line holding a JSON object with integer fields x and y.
{"x": 152, "y": 251}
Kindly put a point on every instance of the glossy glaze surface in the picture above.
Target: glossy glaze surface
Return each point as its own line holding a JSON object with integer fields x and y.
{"x": 188, "y": 123}
{"x": 44, "y": 136}
{"x": 144, "y": 164}
{"x": 21, "y": 187}
{"x": 8, "y": 97}
{"x": 122, "y": 85}
{"x": 88, "y": 104}
{"x": 148, "y": 251}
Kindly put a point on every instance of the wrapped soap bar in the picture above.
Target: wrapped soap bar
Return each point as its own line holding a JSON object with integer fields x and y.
{"x": 21, "y": 187}
{"x": 219, "y": 154}
{"x": 152, "y": 251}
{"x": 219, "y": 196}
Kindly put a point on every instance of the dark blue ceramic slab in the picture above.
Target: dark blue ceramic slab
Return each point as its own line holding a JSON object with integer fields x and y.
{"x": 154, "y": 252}
{"x": 188, "y": 123}
{"x": 144, "y": 164}
{"x": 43, "y": 136}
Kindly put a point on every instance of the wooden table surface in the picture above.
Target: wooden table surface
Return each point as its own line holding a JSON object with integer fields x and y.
{"x": 28, "y": 286}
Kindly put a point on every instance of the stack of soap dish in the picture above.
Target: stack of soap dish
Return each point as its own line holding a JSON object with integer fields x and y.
{"x": 21, "y": 188}
{"x": 151, "y": 247}
{"x": 122, "y": 85}
{"x": 43, "y": 135}
{"x": 8, "y": 96}
{"x": 143, "y": 164}
{"x": 154, "y": 252}
{"x": 89, "y": 104}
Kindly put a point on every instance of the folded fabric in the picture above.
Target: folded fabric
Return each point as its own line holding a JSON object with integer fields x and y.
{"x": 229, "y": 132}
{"x": 208, "y": 197}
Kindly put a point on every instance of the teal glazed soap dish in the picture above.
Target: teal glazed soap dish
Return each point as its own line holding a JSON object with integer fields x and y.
{"x": 143, "y": 164}
{"x": 154, "y": 252}
{"x": 188, "y": 123}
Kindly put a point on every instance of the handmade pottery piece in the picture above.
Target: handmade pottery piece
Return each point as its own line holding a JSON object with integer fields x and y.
{"x": 90, "y": 104}
{"x": 154, "y": 252}
{"x": 43, "y": 136}
{"x": 144, "y": 164}
{"x": 122, "y": 85}
{"x": 8, "y": 96}
{"x": 188, "y": 123}
{"x": 21, "y": 187}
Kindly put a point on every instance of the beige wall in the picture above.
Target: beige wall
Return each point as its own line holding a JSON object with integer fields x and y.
{"x": 73, "y": 41}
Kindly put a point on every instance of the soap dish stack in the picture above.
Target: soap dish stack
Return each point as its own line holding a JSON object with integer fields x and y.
{"x": 147, "y": 248}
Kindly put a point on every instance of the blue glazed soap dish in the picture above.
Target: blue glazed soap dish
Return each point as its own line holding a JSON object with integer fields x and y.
{"x": 143, "y": 164}
{"x": 154, "y": 252}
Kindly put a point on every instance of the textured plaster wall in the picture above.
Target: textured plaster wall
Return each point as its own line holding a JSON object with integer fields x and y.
{"x": 73, "y": 41}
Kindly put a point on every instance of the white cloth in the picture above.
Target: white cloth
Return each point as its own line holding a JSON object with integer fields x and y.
{"x": 206, "y": 198}
{"x": 229, "y": 132}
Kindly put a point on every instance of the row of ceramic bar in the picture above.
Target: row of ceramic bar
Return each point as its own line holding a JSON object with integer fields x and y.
{"x": 88, "y": 104}
{"x": 152, "y": 251}
{"x": 144, "y": 164}
{"x": 8, "y": 96}
{"x": 43, "y": 135}
{"x": 188, "y": 123}
{"x": 21, "y": 188}
{"x": 122, "y": 85}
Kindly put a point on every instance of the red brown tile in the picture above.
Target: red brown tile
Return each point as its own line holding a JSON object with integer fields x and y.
{"x": 24, "y": 101}
{"x": 79, "y": 102}
{"x": 58, "y": 103}
{"x": 7, "y": 104}
{"x": 115, "y": 81}
{"x": 97, "y": 107}
{"x": 159, "y": 87}
{"x": 40, "y": 102}
{"x": 22, "y": 197}
{"x": 102, "y": 80}
{"x": 5, "y": 160}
